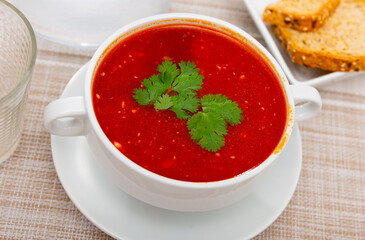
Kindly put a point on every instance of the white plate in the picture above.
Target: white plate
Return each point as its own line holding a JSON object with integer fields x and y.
{"x": 125, "y": 217}
{"x": 85, "y": 23}
{"x": 296, "y": 74}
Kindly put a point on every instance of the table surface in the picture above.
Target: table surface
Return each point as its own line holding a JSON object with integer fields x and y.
{"x": 329, "y": 201}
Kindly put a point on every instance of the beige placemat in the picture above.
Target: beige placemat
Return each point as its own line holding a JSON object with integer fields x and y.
{"x": 329, "y": 202}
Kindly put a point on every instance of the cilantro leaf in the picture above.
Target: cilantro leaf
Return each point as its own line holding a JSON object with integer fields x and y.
{"x": 142, "y": 97}
{"x": 188, "y": 68}
{"x": 184, "y": 104}
{"x": 189, "y": 81}
{"x": 168, "y": 72}
{"x": 208, "y": 129}
{"x": 184, "y": 84}
{"x": 175, "y": 89}
{"x": 188, "y": 84}
{"x": 180, "y": 113}
{"x": 221, "y": 105}
{"x": 163, "y": 102}
{"x": 153, "y": 88}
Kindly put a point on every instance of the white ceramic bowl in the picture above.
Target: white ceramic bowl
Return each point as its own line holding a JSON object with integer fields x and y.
{"x": 75, "y": 116}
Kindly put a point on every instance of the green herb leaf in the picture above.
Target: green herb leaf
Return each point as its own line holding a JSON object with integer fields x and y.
{"x": 182, "y": 105}
{"x": 189, "y": 81}
{"x": 208, "y": 129}
{"x": 153, "y": 88}
{"x": 163, "y": 102}
{"x": 176, "y": 89}
{"x": 142, "y": 97}
{"x": 168, "y": 72}
{"x": 188, "y": 68}
{"x": 221, "y": 105}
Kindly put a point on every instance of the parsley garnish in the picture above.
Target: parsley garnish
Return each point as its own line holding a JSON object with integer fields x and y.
{"x": 176, "y": 89}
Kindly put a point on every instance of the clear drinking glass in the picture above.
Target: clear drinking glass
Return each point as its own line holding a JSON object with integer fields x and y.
{"x": 17, "y": 57}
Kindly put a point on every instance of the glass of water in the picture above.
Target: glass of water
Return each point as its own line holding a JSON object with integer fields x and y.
{"x": 17, "y": 58}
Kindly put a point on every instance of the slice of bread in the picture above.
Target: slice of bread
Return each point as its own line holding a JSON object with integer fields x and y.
{"x": 303, "y": 15}
{"x": 339, "y": 45}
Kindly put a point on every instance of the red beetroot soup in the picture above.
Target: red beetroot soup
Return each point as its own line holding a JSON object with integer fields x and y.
{"x": 158, "y": 140}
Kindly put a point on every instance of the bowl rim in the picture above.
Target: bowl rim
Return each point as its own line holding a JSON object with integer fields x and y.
{"x": 147, "y": 22}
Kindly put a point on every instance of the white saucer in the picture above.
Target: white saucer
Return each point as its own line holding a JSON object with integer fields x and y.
{"x": 124, "y": 217}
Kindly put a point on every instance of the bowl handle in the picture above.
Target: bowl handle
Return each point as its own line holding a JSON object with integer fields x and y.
{"x": 307, "y": 101}
{"x": 66, "y": 117}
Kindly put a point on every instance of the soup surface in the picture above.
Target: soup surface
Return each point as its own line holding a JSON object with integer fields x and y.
{"x": 158, "y": 140}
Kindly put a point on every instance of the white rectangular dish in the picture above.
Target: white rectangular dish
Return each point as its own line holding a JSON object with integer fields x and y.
{"x": 295, "y": 73}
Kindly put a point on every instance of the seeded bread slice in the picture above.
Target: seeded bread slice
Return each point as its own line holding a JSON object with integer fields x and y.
{"x": 339, "y": 45}
{"x": 303, "y": 15}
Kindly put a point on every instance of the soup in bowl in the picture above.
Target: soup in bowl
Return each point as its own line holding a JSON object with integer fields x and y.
{"x": 183, "y": 111}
